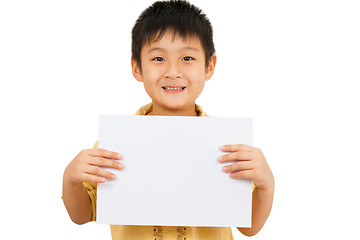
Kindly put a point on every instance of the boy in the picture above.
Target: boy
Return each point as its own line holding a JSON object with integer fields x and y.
{"x": 173, "y": 55}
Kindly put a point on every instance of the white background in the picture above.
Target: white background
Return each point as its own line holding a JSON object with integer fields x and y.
{"x": 291, "y": 65}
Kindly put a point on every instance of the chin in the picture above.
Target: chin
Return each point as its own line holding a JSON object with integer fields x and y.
{"x": 175, "y": 106}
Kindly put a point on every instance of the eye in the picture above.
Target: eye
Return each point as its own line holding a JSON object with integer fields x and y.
{"x": 187, "y": 58}
{"x": 158, "y": 59}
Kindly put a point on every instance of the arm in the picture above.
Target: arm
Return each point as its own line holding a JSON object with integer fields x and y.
{"x": 261, "y": 207}
{"x": 85, "y": 167}
{"x": 251, "y": 164}
{"x": 76, "y": 201}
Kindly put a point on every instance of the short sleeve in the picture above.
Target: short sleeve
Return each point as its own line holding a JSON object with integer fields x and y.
{"x": 91, "y": 190}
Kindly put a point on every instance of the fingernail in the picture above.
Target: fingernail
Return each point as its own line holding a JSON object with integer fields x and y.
{"x": 220, "y": 159}
{"x": 113, "y": 176}
{"x": 120, "y": 166}
{"x": 225, "y": 169}
{"x": 103, "y": 180}
{"x": 222, "y": 147}
{"x": 119, "y": 155}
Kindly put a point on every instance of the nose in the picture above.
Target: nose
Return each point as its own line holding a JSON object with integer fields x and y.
{"x": 172, "y": 71}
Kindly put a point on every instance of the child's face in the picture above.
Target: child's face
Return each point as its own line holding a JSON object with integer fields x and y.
{"x": 173, "y": 72}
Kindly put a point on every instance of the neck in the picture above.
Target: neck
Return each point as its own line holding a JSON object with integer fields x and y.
{"x": 157, "y": 110}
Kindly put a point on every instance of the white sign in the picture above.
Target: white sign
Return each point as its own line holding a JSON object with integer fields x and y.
{"x": 171, "y": 175}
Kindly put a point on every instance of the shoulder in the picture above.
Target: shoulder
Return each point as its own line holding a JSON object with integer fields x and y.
{"x": 144, "y": 109}
{"x": 96, "y": 145}
{"x": 200, "y": 111}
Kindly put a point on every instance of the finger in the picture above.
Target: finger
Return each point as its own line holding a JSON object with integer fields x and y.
{"x": 246, "y": 174}
{"x": 99, "y": 172}
{"x": 104, "y": 162}
{"x": 242, "y": 165}
{"x": 236, "y": 147}
{"x": 236, "y": 156}
{"x": 92, "y": 178}
{"x": 100, "y": 152}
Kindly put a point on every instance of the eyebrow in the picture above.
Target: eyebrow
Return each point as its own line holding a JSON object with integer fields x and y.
{"x": 164, "y": 50}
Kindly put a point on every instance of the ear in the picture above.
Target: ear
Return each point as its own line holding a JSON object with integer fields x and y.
{"x": 136, "y": 70}
{"x": 211, "y": 67}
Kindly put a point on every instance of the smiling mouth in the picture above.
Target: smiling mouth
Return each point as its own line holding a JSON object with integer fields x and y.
{"x": 173, "y": 88}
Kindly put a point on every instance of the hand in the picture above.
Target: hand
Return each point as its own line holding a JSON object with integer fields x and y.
{"x": 85, "y": 167}
{"x": 251, "y": 164}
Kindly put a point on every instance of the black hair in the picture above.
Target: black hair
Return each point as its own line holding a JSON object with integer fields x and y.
{"x": 178, "y": 16}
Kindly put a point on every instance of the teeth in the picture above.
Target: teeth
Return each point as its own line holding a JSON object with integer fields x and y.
{"x": 173, "y": 88}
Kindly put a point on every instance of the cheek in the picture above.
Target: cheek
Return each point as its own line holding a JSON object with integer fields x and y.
{"x": 199, "y": 87}
{"x": 150, "y": 76}
{"x": 197, "y": 77}
{"x": 150, "y": 79}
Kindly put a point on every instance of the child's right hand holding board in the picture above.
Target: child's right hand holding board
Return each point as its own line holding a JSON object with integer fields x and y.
{"x": 86, "y": 166}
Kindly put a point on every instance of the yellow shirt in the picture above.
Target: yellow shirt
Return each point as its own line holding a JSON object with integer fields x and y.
{"x": 127, "y": 232}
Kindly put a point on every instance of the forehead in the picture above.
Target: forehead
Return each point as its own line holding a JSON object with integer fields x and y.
{"x": 170, "y": 40}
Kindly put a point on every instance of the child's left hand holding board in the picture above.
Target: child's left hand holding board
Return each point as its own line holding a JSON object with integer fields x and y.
{"x": 251, "y": 164}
